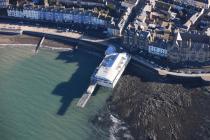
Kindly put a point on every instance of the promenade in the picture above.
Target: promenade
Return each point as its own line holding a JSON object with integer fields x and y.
{"x": 40, "y": 29}
{"x": 53, "y": 31}
{"x": 164, "y": 72}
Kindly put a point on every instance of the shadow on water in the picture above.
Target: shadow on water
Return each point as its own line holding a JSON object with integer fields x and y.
{"x": 79, "y": 81}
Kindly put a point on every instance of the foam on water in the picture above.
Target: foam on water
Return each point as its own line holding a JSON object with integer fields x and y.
{"x": 119, "y": 130}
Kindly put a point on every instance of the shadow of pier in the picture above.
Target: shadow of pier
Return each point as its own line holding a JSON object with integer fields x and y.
{"x": 79, "y": 81}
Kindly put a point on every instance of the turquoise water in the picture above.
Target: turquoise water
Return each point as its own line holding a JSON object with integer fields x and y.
{"x": 38, "y": 95}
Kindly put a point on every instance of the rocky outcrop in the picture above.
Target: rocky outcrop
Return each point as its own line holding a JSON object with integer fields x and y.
{"x": 159, "y": 111}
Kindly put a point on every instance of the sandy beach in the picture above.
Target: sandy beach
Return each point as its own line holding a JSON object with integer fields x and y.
{"x": 29, "y": 40}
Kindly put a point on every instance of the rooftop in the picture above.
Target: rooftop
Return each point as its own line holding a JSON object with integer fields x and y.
{"x": 111, "y": 66}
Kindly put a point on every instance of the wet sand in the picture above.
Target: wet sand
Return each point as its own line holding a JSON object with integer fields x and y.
{"x": 25, "y": 39}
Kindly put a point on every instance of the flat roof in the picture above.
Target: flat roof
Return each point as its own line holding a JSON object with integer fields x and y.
{"x": 111, "y": 66}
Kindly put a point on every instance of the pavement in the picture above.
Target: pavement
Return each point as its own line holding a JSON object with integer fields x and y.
{"x": 54, "y": 31}
{"x": 162, "y": 71}
{"x": 40, "y": 29}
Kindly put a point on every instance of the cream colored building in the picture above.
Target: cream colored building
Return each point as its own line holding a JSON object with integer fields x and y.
{"x": 4, "y": 3}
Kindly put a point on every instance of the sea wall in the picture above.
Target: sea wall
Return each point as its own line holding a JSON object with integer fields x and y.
{"x": 81, "y": 44}
{"x": 8, "y": 33}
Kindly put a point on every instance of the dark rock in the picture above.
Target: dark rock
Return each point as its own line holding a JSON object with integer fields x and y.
{"x": 159, "y": 111}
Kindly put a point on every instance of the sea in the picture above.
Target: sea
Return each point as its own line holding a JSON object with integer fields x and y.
{"x": 39, "y": 93}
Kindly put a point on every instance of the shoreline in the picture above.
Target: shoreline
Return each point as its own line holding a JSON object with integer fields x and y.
{"x": 125, "y": 97}
{"x": 34, "y": 45}
{"x": 32, "y": 41}
{"x": 97, "y": 47}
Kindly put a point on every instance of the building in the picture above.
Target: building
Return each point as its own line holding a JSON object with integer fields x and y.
{"x": 67, "y": 15}
{"x": 53, "y": 14}
{"x": 189, "y": 48}
{"x": 92, "y": 3}
{"x": 113, "y": 30}
{"x": 124, "y": 19}
{"x": 58, "y": 15}
{"x": 30, "y": 12}
{"x": 193, "y": 19}
{"x": 158, "y": 48}
{"x": 205, "y": 21}
{"x": 111, "y": 69}
{"x": 196, "y": 3}
{"x": 134, "y": 39}
{"x": 111, "y": 20}
{"x": 4, "y": 3}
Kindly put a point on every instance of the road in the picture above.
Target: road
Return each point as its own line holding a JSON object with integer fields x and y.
{"x": 204, "y": 76}
{"x": 135, "y": 11}
{"x": 53, "y": 31}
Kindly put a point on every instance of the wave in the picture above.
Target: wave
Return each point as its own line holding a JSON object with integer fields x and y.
{"x": 119, "y": 129}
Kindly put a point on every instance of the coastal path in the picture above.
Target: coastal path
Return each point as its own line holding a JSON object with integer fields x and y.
{"x": 164, "y": 72}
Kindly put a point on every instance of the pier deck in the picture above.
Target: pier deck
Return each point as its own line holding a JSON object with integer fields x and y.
{"x": 86, "y": 96}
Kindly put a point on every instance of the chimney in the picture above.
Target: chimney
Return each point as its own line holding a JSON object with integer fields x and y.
{"x": 190, "y": 43}
{"x": 57, "y": 2}
{"x": 46, "y": 4}
{"x": 170, "y": 26}
{"x": 152, "y": 38}
{"x": 150, "y": 16}
{"x": 18, "y": 3}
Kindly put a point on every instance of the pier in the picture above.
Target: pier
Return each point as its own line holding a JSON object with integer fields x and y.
{"x": 107, "y": 74}
{"x": 85, "y": 97}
